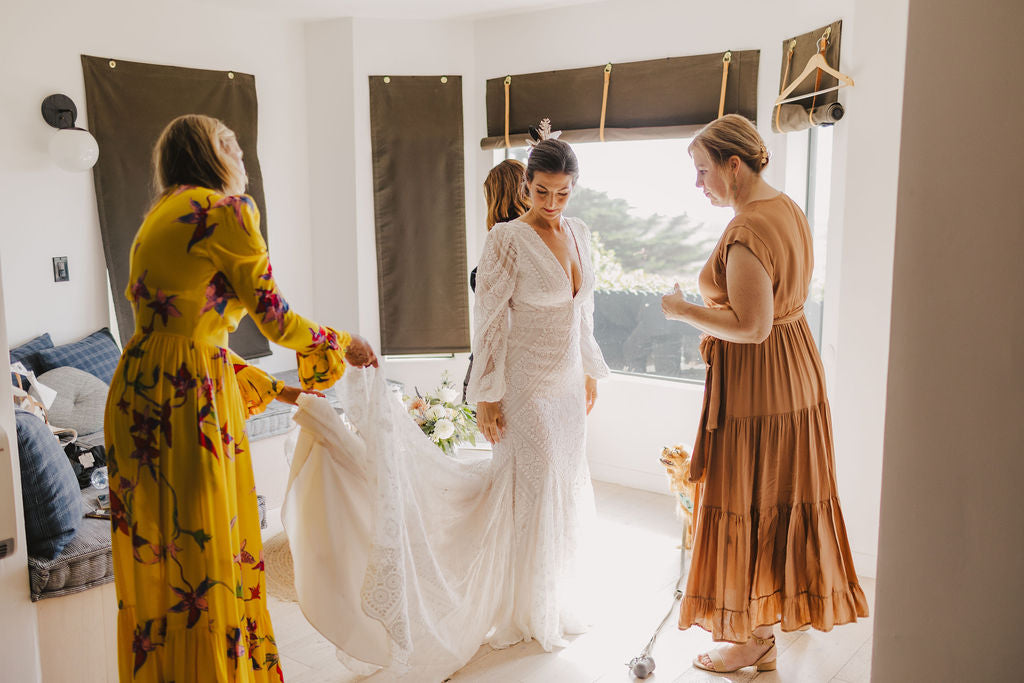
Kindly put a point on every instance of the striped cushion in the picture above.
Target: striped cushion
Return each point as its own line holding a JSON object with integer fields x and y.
{"x": 97, "y": 354}
{"x": 83, "y": 563}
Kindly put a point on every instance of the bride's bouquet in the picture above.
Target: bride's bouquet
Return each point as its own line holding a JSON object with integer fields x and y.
{"x": 443, "y": 417}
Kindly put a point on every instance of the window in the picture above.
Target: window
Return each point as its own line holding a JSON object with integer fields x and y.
{"x": 652, "y": 228}
{"x": 809, "y": 183}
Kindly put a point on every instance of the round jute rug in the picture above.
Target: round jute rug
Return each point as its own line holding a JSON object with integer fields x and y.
{"x": 280, "y": 573}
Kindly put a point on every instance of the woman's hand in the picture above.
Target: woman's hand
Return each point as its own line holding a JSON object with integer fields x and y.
{"x": 490, "y": 420}
{"x": 359, "y": 353}
{"x": 291, "y": 394}
{"x": 591, "y": 392}
{"x": 673, "y": 303}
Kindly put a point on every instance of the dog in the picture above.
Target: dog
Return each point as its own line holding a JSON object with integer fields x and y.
{"x": 676, "y": 460}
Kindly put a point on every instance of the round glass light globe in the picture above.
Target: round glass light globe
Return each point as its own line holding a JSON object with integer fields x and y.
{"x": 74, "y": 149}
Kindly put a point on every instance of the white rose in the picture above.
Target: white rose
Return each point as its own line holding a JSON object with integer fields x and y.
{"x": 443, "y": 428}
{"x": 436, "y": 412}
{"x": 449, "y": 394}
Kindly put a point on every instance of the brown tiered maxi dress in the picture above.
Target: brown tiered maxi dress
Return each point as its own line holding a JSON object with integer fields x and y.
{"x": 770, "y": 543}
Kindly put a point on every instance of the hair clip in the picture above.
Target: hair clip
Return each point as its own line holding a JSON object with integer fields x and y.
{"x": 541, "y": 132}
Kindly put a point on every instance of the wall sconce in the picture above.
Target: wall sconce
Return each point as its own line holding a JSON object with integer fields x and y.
{"x": 72, "y": 148}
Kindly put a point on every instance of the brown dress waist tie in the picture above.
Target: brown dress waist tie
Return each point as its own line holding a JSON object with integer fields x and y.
{"x": 711, "y": 352}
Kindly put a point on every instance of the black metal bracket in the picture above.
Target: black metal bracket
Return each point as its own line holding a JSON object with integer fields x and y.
{"x": 59, "y": 111}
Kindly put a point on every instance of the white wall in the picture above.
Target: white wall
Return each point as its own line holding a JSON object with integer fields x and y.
{"x": 19, "y": 649}
{"x": 951, "y": 552}
{"x": 860, "y": 256}
{"x": 332, "y": 179}
{"x": 49, "y": 212}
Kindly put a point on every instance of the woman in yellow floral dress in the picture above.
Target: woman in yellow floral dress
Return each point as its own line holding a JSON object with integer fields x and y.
{"x": 188, "y": 560}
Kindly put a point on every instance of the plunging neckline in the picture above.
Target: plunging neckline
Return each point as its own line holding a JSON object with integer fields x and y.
{"x": 568, "y": 275}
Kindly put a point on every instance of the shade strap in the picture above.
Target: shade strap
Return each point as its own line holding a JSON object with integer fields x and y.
{"x": 604, "y": 97}
{"x": 725, "y": 79}
{"x": 508, "y": 83}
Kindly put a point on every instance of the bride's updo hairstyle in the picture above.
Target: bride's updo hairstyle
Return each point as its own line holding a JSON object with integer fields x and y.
{"x": 190, "y": 152}
{"x": 732, "y": 135}
{"x": 552, "y": 156}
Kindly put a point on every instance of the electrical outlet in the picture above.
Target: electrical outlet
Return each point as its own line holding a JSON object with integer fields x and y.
{"x": 60, "y": 269}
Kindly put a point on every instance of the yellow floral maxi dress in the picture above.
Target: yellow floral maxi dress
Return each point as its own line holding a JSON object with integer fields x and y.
{"x": 188, "y": 559}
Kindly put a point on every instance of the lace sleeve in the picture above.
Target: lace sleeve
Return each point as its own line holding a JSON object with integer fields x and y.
{"x": 495, "y": 281}
{"x": 593, "y": 359}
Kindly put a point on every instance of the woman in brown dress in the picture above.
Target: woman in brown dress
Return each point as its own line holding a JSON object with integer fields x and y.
{"x": 770, "y": 543}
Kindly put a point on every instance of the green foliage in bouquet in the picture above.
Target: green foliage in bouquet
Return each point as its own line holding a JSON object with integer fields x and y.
{"x": 443, "y": 417}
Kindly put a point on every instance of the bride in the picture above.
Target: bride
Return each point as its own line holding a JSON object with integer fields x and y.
{"x": 408, "y": 559}
{"x": 534, "y": 380}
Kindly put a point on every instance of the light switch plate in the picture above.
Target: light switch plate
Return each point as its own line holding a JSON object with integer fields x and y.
{"x": 60, "y": 269}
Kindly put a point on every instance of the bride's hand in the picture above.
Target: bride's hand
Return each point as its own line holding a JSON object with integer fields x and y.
{"x": 591, "y": 392}
{"x": 490, "y": 420}
{"x": 291, "y": 394}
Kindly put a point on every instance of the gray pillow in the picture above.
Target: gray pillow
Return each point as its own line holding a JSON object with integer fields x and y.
{"x": 81, "y": 399}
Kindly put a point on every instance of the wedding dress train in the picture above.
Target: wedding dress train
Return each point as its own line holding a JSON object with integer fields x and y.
{"x": 404, "y": 556}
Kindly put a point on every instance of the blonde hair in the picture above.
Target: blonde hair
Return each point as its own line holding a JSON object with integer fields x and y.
{"x": 732, "y": 135}
{"x": 505, "y": 192}
{"x": 190, "y": 152}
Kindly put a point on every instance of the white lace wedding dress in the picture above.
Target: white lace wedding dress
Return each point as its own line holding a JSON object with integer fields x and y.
{"x": 408, "y": 559}
{"x": 533, "y": 343}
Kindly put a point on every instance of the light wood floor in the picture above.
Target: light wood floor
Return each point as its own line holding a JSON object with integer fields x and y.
{"x": 640, "y": 565}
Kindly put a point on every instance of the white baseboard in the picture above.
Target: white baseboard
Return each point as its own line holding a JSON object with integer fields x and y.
{"x": 636, "y": 479}
{"x": 865, "y": 564}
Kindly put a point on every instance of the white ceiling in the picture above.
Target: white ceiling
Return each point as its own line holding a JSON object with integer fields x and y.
{"x": 393, "y": 9}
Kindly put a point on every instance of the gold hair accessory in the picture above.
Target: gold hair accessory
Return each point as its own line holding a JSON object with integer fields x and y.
{"x": 764, "y": 155}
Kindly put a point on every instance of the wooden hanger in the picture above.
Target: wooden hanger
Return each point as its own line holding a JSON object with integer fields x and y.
{"x": 815, "y": 62}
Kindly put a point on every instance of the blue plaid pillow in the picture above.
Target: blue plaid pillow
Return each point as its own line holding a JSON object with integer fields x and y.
{"x": 49, "y": 488}
{"x": 26, "y": 353}
{"x": 97, "y": 354}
